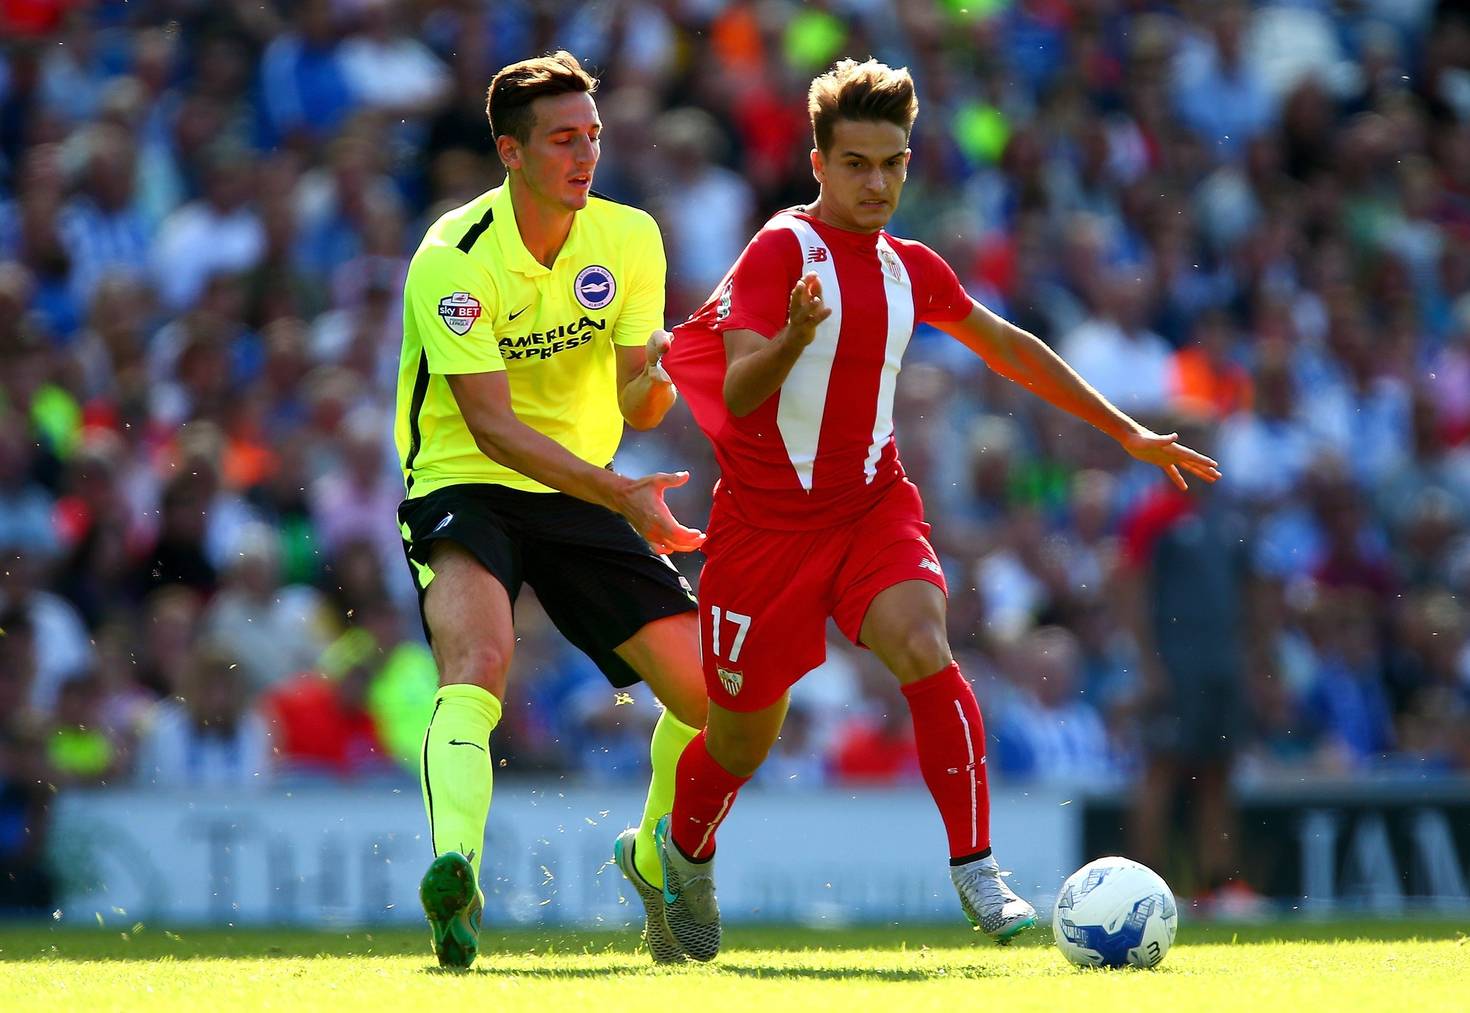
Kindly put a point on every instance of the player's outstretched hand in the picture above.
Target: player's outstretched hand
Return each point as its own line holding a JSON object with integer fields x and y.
{"x": 657, "y": 347}
{"x": 806, "y": 310}
{"x": 643, "y": 505}
{"x": 1174, "y": 457}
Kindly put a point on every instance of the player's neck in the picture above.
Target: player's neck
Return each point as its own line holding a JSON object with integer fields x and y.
{"x": 819, "y": 210}
{"x": 543, "y": 227}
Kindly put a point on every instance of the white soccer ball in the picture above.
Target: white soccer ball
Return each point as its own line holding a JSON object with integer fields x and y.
{"x": 1113, "y": 912}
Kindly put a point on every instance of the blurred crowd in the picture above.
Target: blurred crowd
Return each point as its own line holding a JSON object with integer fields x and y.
{"x": 1246, "y": 222}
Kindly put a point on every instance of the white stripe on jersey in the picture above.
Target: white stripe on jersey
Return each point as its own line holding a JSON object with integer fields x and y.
{"x": 899, "y": 293}
{"x": 800, "y": 418}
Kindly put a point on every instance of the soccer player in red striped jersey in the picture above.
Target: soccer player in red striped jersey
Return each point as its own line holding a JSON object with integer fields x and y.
{"x": 790, "y": 369}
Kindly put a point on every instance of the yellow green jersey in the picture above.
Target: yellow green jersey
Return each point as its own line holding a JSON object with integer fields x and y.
{"x": 476, "y": 301}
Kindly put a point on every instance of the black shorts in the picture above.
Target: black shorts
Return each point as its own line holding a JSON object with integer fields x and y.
{"x": 597, "y": 579}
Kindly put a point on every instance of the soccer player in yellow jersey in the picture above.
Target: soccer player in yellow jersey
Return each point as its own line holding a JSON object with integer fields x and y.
{"x": 532, "y": 331}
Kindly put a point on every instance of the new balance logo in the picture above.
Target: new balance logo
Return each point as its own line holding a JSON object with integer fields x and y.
{"x": 731, "y": 680}
{"x": 928, "y": 564}
{"x": 816, "y": 255}
{"x": 444, "y": 523}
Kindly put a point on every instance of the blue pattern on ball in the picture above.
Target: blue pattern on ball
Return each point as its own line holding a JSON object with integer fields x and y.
{"x": 1113, "y": 947}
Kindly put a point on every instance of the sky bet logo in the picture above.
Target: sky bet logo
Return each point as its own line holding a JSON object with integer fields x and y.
{"x": 459, "y": 312}
{"x": 545, "y": 344}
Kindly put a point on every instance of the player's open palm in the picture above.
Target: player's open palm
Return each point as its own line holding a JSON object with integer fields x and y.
{"x": 806, "y": 310}
{"x": 643, "y": 505}
{"x": 1174, "y": 457}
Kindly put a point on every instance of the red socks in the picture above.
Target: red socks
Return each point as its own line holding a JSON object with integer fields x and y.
{"x": 951, "y": 741}
{"x": 703, "y": 795}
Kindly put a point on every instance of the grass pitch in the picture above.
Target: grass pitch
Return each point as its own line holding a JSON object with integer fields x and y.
{"x": 1424, "y": 965}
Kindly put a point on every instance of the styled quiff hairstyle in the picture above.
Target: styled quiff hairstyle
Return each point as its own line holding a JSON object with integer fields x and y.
{"x": 508, "y": 102}
{"x": 861, "y": 91}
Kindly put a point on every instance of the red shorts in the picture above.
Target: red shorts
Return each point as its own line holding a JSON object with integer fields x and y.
{"x": 765, "y": 596}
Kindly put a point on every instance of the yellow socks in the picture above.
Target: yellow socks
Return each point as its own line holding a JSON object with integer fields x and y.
{"x": 670, "y": 736}
{"x": 455, "y": 771}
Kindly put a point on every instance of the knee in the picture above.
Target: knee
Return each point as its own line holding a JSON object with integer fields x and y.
{"x": 917, "y": 652}
{"x": 740, "y": 755}
{"x": 482, "y": 663}
{"x": 691, "y": 708}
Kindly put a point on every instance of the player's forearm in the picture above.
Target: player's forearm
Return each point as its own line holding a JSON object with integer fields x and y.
{"x": 1026, "y": 359}
{"x": 516, "y": 445}
{"x": 752, "y": 378}
{"x": 645, "y": 400}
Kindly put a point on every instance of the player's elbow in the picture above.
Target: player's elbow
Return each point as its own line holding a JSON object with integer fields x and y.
{"x": 642, "y": 420}
{"x": 492, "y": 431}
{"x": 646, "y": 412}
{"x": 737, "y": 402}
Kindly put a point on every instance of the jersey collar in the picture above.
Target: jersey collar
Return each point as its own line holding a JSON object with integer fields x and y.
{"x": 508, "y": 237}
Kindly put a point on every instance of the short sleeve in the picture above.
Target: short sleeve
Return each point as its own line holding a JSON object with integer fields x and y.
{"x": 451, "y": 304}
{"x": 757, "y": 294}
{"x": 942, "y": 299}
{"x": 643, "y": 306}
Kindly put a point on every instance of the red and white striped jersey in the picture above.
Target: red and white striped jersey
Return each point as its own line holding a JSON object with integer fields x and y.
{"x": 819, "y": 451}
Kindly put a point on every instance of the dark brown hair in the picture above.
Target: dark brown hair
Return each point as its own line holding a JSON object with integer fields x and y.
{"x": 508, "y": 102}
{"x": 861, "y": 91}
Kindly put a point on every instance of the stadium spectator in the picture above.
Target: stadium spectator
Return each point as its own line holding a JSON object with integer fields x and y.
{"x": 320, "y": 721}
{"x": 221, "y": 232}
{"x": 101, "y": 227}
{"x": 209, "y": 736}
{"x": 27, "y": 885}
{"x": 276, "y": 631}
{"x": 704, "y": 206}
{"x": 80, "y": 749}
{"x": 1187, "y": 582}
{"x": 62, "y": 647}
{"x": 305, "y": 91}
{"x": 25, "y": 504}
{"x": 875, "y": 745}
{"x": 1115, "y": 351}
{"x": 1047, "y": 730}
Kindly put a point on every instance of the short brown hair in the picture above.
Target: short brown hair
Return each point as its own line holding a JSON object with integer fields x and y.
{"x": 861, "y": 91}
{"x": 508, "y": 102}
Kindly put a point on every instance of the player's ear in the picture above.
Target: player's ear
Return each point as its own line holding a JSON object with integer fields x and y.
{"x": 819, "y": 169}
{"x": 509, "y": 150}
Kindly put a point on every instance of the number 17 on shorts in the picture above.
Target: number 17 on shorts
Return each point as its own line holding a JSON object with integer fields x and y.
{"x": 731, "y": 678}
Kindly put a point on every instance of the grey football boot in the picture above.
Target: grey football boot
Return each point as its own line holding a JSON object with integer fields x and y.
{"x": 689, "y": 898}
{"x": 989, "y": 903}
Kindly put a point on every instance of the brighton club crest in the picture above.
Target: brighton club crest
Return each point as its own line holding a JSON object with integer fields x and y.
{"x": 459, "y": 312}
{"x": 595, "y": 287}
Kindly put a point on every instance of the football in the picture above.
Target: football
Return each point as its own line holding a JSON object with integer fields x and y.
{"x": 1114, "y": 912}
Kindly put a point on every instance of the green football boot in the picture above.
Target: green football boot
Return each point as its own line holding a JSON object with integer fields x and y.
{"x": 453, "y": 904}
